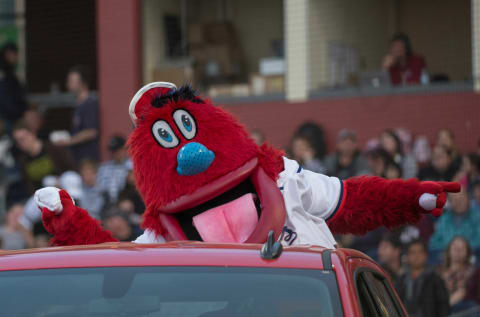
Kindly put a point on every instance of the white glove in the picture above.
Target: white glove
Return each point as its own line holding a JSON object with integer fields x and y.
{"x": 428, "y": 201}
{"x": 49, "y": 197}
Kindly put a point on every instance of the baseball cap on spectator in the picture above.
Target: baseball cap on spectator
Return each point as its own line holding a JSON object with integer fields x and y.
{"x": 346, "y": 134}
{"x": 116, "y": 143}
{"x": 72, "y": 183}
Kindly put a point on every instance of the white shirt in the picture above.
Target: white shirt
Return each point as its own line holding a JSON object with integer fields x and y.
{"x": 310, "y": 200}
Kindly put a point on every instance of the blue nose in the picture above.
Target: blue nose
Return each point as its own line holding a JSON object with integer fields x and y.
{"x": 194, "y": 158}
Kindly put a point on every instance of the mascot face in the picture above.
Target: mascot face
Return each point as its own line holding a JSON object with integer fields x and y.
{"x": 200, "y": 174}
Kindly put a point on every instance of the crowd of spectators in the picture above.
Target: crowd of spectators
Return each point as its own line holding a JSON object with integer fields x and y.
{"x": 433, "y": 264}
{"x": 31, "y": 158}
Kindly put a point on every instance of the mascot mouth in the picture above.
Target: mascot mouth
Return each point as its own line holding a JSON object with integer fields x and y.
{"x": 241, "y": 206}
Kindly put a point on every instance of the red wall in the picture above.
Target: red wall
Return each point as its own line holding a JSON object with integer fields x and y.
{"x": 119, "y": 67}
{"x": 368, "y": 116}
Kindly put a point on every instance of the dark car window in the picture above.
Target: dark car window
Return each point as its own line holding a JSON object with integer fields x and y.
{"x": 170, "y": 291}
{"x": 375, "y": 296}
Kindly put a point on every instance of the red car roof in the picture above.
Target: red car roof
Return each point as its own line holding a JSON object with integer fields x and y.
{"x": 184, "y": 253}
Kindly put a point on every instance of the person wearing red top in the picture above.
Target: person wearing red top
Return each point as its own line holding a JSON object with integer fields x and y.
{"x": 403, "y": 65}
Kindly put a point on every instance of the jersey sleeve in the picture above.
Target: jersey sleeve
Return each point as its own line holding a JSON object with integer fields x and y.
{"x": 319, "y": 195}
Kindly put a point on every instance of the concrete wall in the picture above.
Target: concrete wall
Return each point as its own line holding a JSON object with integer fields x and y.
{"x": 368, "y": 116}
{"x": 440, "y": 30}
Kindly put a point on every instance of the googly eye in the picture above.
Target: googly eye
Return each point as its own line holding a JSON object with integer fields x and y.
{"x": 185, "y": 123}
{"x": 163, "y": 134}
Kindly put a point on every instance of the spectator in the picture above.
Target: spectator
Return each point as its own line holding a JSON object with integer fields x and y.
{"x": 130, "y": 193}
{"x": 112, "y": 174}
{"x": 12, "y": 94}
{"x": 422, "y": 151}
{"x": 7, "y": 162}
{"x": 12, "y": 234}
{"x": 421, "y": 289}
{"x": 34, "y": 121}
{"x": 469, "y": 172}
{"x": 389, "y": 256}
{"x": 446, "y": 138}
{"x": 92, "y": 198}
{"x": 441, "y": 167}
{"x": 390, "y": 142}
{"x": 31, "y": 217}
{"x": 457, "y": 274}
{"x": 404, "y": 66}
{"x": 347, "y": 161}
{"x": 72, "y": 182}
{"x": 459, "y": 221}
{"x": 377, "y": 160}
{"x": 393, "y": 170}
{"x": 308, "y": 147}
{"x": 42, "y": 241}
{"x": 39, "y": 158}
{"x": 475, "y": 202}
{"x": 85, "y": 124}
{"x": 118, "y": 223}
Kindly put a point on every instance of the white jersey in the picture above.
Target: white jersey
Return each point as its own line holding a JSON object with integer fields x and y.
{"x": 310, "y": 200}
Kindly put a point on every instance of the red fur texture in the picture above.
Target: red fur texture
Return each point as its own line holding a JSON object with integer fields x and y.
{"x": 155, "y": 166}
{"x": 74, "y": 226}
{"x": 372, "y": 202}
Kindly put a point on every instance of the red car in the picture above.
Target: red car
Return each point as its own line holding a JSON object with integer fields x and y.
{"x": 192, "y": 279}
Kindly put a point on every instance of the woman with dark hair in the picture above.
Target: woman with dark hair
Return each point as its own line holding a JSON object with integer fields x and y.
{"x": 308, "y": 147}
{"x": 404, "y": 66}
{"x": 457, "y": 274}
{"x": 390, "y": 142}
{"x": 446, "y": 138}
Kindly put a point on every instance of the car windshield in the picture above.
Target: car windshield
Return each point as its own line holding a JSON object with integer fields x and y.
{"x": 169, "y": 291}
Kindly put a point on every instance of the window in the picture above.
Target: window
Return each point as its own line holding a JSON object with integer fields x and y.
{"x": 375, "y": 296}
{"x": 170, "y": 291}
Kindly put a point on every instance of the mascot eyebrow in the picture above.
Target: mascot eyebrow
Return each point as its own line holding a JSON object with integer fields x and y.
{"x": 183, "y": 93}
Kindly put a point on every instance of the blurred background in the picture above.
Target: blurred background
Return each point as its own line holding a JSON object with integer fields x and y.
{"x": 380, "y": 87}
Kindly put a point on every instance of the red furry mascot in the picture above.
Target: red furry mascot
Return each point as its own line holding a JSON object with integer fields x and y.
{"x": 203, "y": 178}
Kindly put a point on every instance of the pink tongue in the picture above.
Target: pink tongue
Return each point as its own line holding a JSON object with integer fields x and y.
{"x": 231, "y": 223}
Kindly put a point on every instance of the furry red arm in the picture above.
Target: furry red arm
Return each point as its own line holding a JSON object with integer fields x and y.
{"x": 73, "y": 226}
{"x": 372, "y": 202}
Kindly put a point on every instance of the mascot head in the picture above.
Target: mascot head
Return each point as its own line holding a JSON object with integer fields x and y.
{"x": 200, "y": 174}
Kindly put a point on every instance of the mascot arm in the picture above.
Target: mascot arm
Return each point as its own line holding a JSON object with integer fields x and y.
{"x": 370, "y": 202}
{"x": 69, "y": 224}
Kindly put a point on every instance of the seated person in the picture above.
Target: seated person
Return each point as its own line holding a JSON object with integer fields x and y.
{"x": 39, "y": 158}
{"x": 403, "y": 65}
{"x": 461, "y": 220}
{"x": 347, "y": 161}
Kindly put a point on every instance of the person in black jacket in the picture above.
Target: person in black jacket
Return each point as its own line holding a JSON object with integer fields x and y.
{"x": 421, "y": 289}
{"x": 12, "y": 95}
